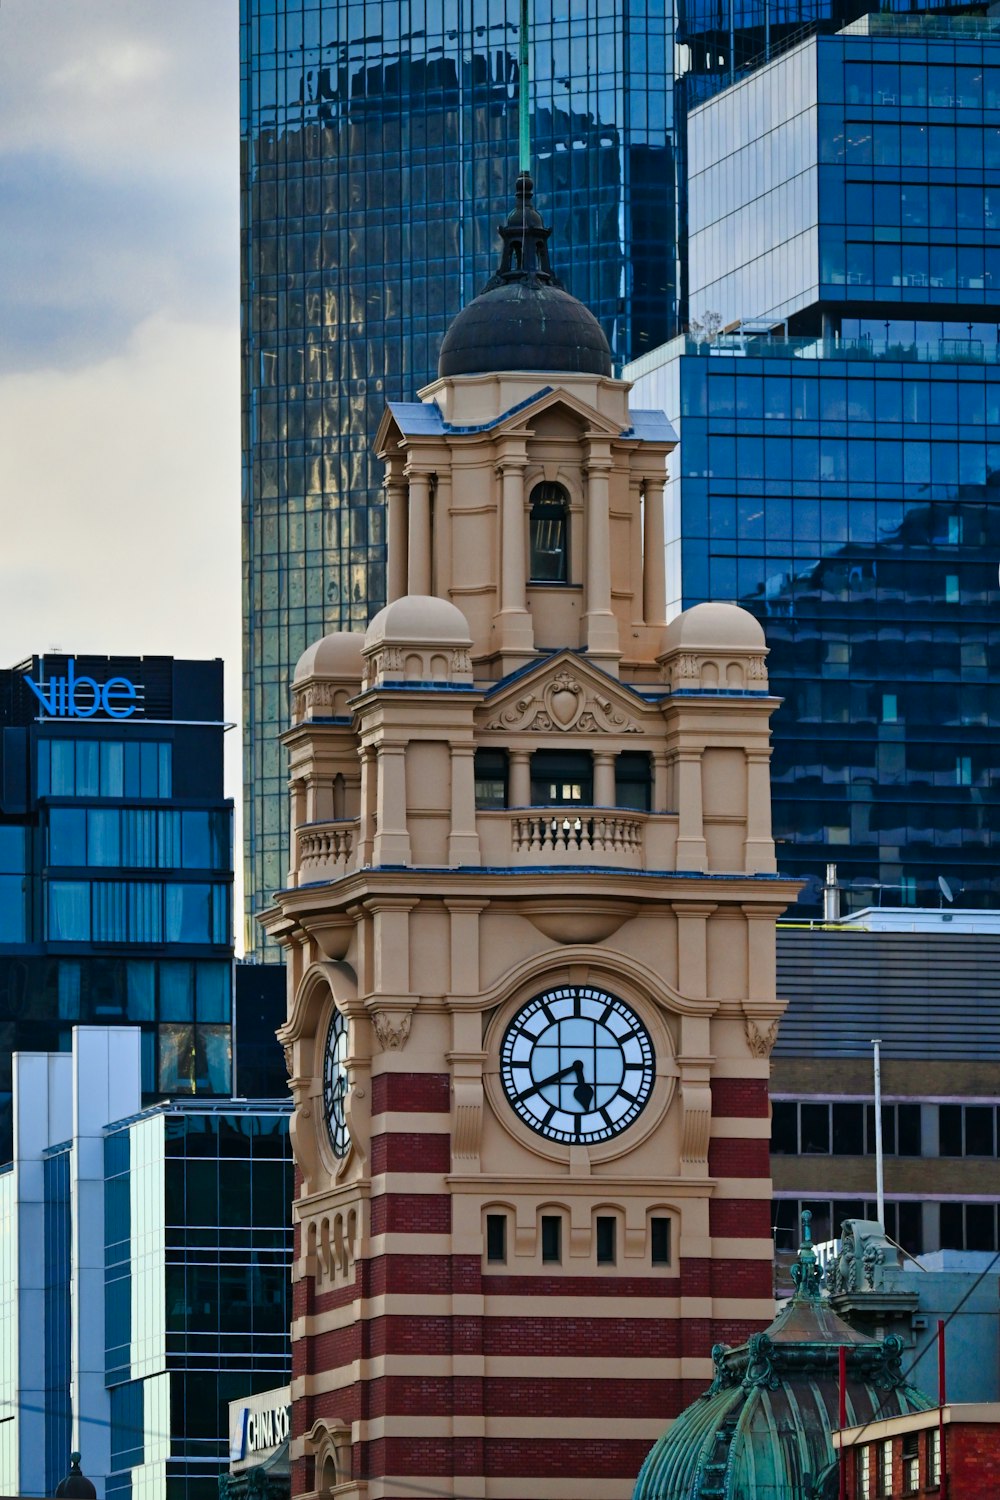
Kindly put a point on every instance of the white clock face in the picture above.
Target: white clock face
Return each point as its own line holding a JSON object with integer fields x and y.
{"x": 335, "y": 1084}
{"x": 577, "y": 1065}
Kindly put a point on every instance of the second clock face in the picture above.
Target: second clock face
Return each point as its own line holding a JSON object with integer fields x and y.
{"x": 577, "y": 1064}
{"x": 335, "y": 1084}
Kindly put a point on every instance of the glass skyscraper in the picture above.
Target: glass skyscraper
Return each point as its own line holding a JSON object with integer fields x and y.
{"x": 379, "y": 154}
{"x": 838, "y": 474}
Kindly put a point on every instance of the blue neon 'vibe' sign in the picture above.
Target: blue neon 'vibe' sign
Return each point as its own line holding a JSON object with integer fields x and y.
{"x": 73, "y": 697}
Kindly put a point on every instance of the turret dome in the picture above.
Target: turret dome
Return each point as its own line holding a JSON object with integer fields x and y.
{"x": 334, "y": 655}
{"x": 524, "y": 319}
{"x": 763, "y": 1428}
{"x": 418, "y": 619}
{"x": 713, "y": 626}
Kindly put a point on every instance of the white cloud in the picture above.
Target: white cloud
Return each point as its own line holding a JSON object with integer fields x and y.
{"x": 145, "y": 86}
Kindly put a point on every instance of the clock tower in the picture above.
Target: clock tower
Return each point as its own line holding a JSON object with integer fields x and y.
{"x": 529, "y": 928}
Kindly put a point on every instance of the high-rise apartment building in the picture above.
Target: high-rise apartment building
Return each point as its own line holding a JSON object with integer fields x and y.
{"x": 380, "y": 142}
{"x": 116, "y": 865}
{"x": 837, "y": 471}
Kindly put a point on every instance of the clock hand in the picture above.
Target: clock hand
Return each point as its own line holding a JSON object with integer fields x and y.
{"x": 582, "y": 1093}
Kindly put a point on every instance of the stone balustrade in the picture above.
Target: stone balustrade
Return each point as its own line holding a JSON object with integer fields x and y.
{"x": 325, "y": 849}
{"x": 617, "y": 838}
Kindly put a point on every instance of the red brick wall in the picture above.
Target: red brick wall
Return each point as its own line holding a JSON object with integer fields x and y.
{"x": 591, "y": 1340}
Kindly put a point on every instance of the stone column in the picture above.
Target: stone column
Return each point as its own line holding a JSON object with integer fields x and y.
{"x": 605, "y": 792}
{"x": 654, "y": 562}
{"x": 516, "y": 632}
{"x": 758, "y": 847}
{"x": 691, "y": 852}
{"x": 366, "y": 828}
{"x": 442, "y": 535}
{"x": 661, "y": 781}
{"x": 396, "y": 541}
{"x": 392, "y": 838}
{"x": 601, "y": 625}
{"x": 519, "y": 779}
{"x": 635, "y": 537}
{"x": 463, "y": 841}
{"x": 419, "y": 538}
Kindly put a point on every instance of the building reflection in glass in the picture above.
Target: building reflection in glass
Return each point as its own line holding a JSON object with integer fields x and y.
{"x": 379, "y": 150}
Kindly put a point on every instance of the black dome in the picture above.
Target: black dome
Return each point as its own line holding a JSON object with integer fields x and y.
{"x": 76, "y": 1485}
{"x": 524, "y": 319}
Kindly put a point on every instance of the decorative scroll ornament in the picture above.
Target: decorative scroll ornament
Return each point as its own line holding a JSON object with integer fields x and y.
{"x": 761, "y": 1043}
{"x": 563, "y": 703}
{"x": 756, "y": 669}
{"x": 724, "y": 1377}
{"x": 890, "y": 1372}
{"x": 696, "y": 1125}
{"x": 392, "y": 1028}
{"x": 760, "y": 1364}
{"x": 871, "y": 1260}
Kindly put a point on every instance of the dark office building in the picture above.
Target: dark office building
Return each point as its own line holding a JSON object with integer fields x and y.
{"x": 116, "y": 865}
{"x": 261, "y": 1003}
{"x": 379, "y": 154}
{"x": 837, "y": 473}
{"x": 926, "y": 984}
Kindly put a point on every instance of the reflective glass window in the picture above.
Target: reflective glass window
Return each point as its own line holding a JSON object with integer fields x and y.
{"x": 69, "y": 911}
{"x": 549, "y": 534}
{"x": 68, "y": 836}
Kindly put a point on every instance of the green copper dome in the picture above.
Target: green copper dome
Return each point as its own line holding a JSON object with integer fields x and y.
{"x": 762, "y": 1429}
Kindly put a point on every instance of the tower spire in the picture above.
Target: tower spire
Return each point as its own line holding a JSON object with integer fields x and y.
{"x": 523, "y": 91}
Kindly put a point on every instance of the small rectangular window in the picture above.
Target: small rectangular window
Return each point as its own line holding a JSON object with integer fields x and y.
{"x": 908, "y": 1132}
{"x": 496, "y": 1239}
{"x": 950, "y": 1129}
{"x": 491, "y": 779}
{"x": 884, "y": 1452}
{"x": 784, "y": 1128}
{"x": 911, "y": 1463}
{"x": 934, "y": 1457}
{"x": 633, "y": 781}
{"x": 979, "y": 1140}
{"x": 605, "y": 1241}
{"x": 816, "y": 1129}
{"x": 864, "y": 1472}
{"x": 551, "y": 1239}
{"x": 659, "y": 1238}
{"x": 848, "y": 1130}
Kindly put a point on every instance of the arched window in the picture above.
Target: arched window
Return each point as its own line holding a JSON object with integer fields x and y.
{"x": 549, "y": 534}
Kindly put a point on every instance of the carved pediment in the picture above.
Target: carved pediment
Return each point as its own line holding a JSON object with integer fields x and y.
{"x": 564, "y": 696}
{"x": 551, "y": 405}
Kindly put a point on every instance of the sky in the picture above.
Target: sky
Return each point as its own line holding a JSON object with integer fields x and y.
{"x": 119, "y": 331}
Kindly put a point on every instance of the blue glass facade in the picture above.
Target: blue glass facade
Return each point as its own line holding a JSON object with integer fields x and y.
{"x": 841, "y": 482}
{"x": 57, "y": 1325}
{"x": 197, "y": 1256}
{"x": 116, "y": 867}
{"x": 380, "y": 151}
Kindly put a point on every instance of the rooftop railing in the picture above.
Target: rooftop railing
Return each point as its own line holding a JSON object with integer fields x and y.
{"x": 938, "y": 351}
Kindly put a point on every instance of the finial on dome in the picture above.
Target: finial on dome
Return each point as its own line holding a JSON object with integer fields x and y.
{"x": 525, "y": 254}
{"x": 806, "y": 1272}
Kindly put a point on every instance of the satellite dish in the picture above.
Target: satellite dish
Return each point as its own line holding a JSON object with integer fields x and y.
{"x": 945, "y": 889}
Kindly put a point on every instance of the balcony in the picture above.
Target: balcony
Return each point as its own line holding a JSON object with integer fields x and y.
{"x": 613, "y": 838}
{"x": 325, "y": 850}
